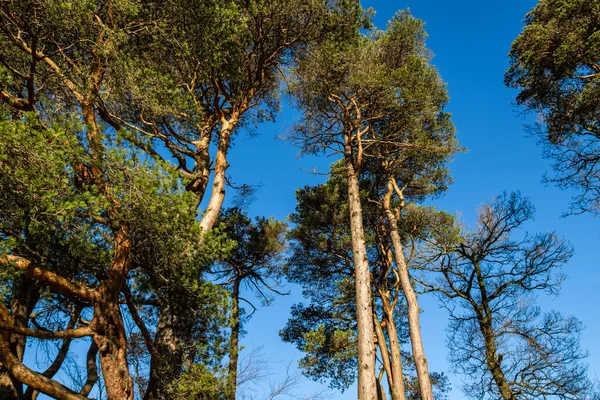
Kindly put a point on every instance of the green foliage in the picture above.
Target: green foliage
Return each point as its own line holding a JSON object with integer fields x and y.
{"x": 51, "y": 215}
{"x": 198, "y": 382}
{"x": 381, "y": 83}
{"x": 256, "y": 257}
{"x": 331, "y": 353}
{"x": 555, "y": 64}
{"x": 439, "y": 381}
{"x": 43, "y": 215}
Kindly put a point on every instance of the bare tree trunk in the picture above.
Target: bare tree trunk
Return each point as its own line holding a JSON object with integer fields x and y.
{"x": 234, "y": 343}
{"x": 92, "y": 370}
{"x": 367, "y": 386}
{"x": 380, "y": 390}
{"x": 484, "y": 318}
{"x": 414, "y": 326}
{"x": 493, "y": 362}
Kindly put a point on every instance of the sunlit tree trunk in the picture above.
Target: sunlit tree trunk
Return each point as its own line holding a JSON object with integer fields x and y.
{"x": 367, "y": 386}
{"x": 414, "y": 326}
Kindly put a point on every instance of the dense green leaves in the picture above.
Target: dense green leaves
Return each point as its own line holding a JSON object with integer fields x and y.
{"x": 555, "y": 64}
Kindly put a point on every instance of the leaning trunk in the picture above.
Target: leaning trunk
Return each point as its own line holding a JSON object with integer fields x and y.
{"x": 414, "y": 326}
{"x": 383, "y": 349}
{"x": 367, "y": 386}
{"x": 484, "y": 317}
{"x": 220, "y": 179}
{"x": 493, "y": 363}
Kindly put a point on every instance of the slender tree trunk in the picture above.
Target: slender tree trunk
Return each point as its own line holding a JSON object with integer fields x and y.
{"x": 92, "y": 370}
{"x": 107, "y": 323}
{"x": 234, "y": 342}
{"x": 380, "y": 390}
{"x": 414, "y": 326}
{"x": 383, "y": 349}
{"x": 170, "y": 329}
{"x": 367, "y": 386}
{"x": 398, "y": 390}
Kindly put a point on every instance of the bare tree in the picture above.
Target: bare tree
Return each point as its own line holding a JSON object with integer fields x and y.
{"x": 498, "y": 337}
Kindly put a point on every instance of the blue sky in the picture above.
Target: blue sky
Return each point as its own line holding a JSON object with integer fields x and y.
{"x": 470, "y": 40}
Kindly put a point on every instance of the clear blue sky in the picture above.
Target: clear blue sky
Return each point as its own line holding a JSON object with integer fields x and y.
{"x": 470, "y": 40}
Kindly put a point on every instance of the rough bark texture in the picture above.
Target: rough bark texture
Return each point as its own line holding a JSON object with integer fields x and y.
{"x": 367, "y": 385}
{"x": 166, "y": 365}
{"x": 107, "y": 324}
{"x": 414, "y": 326}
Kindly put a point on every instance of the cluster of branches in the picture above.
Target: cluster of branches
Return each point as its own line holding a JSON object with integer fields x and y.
{"x": 116, "y": 115}
{"x": 116, "y": 120}
{"x": 488, "y": 280}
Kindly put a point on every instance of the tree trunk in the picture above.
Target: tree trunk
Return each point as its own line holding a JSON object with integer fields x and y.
{"x": 367, "y": 386}
{"x": 199, "y": 183}
{"x": 107, "y": 323}
{"x": 414, "y": 326}
{"x": 234, "y": 343}
{"x": 484, "y": 317}
{"x": 493, "y": 362}
{"x": 398, "y": 390}
{"x": 165, "y": 367}
{"x": 218, "y": 188}
{"x": 383, "y": 349}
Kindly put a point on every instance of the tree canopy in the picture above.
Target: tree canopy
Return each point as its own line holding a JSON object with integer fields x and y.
{"x": 555, "y": 65}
